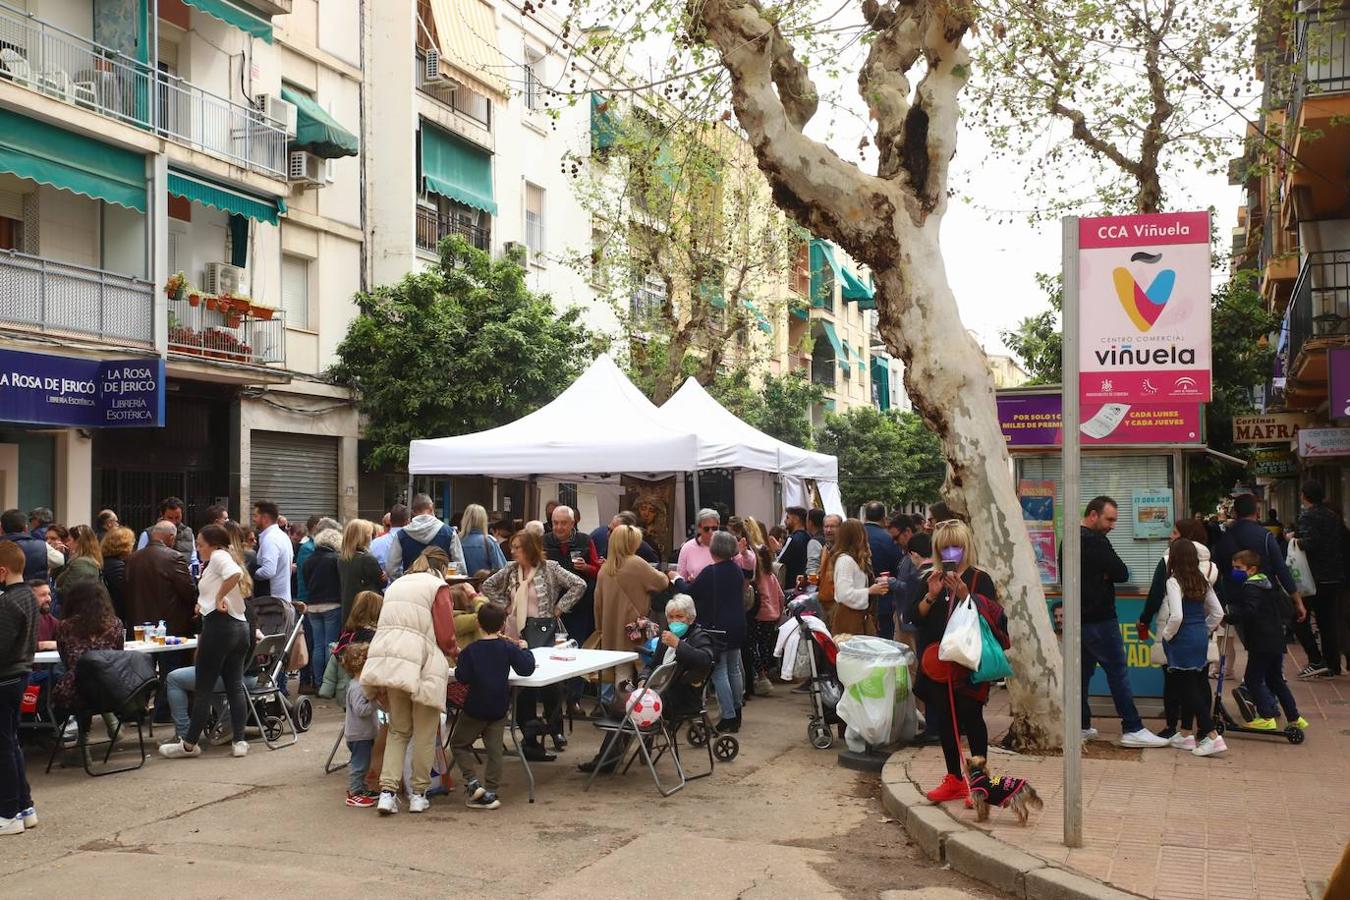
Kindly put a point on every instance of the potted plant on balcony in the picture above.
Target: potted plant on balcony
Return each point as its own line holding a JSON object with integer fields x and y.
{"x": 261, "y": 313}
{"x": 176, "y": 286}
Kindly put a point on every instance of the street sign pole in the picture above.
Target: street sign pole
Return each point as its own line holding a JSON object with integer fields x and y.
{"x": 1072, "y": 545}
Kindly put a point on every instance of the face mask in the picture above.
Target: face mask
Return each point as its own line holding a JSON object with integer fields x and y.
{"x": 679, "y": 629}
{"x": 1239, "y": 575}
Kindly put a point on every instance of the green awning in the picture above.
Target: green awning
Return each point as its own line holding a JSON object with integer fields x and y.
{"x": 604, "y": 122}
{"x": 881, "y": 382}
{"x": 71, "y": 162}
{"x": 854, "y": 289}
{"x": 454, "y": 169}
{"x": 798, "y": 308}
{"x": 822, "y": 258}
{"x": 317, "y": 131}
{"x": 710, "y": 290}
{"x": 846, "y": 361}
{"x": 760, "y": 319}
{"x": 209, "y": 193}
{"x": 239, "y": 15}
{"x": 840, "y": 349}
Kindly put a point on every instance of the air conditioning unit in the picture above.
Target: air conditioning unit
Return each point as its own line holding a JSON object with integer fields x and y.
{"x": 282, "y": 111}
{"x": 510, "y": 249}
{"x": 434, "y": 71}
{"x": 223, "y": 278}
{"x": 303, "y": 167}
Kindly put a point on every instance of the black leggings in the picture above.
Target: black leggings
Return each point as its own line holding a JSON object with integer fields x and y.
{"x": 1172, "y": 692}
{"x": 222, "y": 650}
{"x": 970, "y": 718}
{"x": 527, "y": 709}
{"x": 1196, "y": 699}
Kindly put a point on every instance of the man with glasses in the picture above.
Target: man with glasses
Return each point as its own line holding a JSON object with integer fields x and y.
{"x": 695, "y": 555}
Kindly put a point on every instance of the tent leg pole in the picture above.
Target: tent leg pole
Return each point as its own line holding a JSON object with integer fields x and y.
{"x": 698, "y": 504}
{"x": 408, "y": 499}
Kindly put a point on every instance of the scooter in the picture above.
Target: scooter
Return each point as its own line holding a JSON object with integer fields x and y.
{"x": 1224, "y": 722}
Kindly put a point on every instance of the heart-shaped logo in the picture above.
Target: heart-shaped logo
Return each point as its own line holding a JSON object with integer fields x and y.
{"x": 1144, "y": 306}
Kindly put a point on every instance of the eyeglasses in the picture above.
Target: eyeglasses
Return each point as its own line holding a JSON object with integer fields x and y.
{"x": 949, "y": 522}
{"x": 708, "y": 528}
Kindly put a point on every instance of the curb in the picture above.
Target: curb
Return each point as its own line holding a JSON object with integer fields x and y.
{"x": 972, "y": 852}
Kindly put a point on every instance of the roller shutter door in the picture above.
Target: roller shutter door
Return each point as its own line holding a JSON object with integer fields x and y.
{"x": 299, "y": 472}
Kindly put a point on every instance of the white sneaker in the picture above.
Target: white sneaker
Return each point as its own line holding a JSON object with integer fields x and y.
{"x": 763, "y": 687}
{"x": 1183, "y": 741}
{"x": 1089, "y": 734}
{"x": 11, "y": 826}
{"x": 418, "y": 803}
{"x": 1142, "y": 738}
{"x": 388, "y": 804}
{"x": 1210, "y": 746}
{"x": 178, "y": 750}
{"x": 238, "y": 749}
{"x": 29, "y": 817}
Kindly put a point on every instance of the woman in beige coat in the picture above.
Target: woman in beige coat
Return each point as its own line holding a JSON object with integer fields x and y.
{"x": 623, "y": 593}
{"x": 407, "y": 669}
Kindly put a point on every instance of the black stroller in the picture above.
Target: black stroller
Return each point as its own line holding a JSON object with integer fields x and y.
{"x": 823, "y": 680}
{"x": 270, "y": 709}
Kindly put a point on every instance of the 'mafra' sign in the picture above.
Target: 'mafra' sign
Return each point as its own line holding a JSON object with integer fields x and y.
{"x": 1277, "y": 428}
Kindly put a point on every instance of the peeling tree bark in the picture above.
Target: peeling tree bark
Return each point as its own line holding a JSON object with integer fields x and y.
{"x": 891, "y": 222}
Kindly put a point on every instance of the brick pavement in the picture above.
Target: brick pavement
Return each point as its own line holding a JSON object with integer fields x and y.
{"x": 1264, "y": 820}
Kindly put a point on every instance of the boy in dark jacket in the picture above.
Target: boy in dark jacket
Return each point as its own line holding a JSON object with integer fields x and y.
{"x": 486, "y": 666}
{"x": 1262, "y": 611}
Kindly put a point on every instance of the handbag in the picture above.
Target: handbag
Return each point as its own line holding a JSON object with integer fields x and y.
{"x": 994, "y": 665}
{"x": 540, "y": 631}
{"x": 963, "y": 641}
{"x": 641, "y": 630}
{"x": 1297, "y": 560}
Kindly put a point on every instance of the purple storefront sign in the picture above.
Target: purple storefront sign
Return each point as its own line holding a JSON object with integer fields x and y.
{"x": 1338, "y": 382}
{"x": 1034, "y": 420}
{"x": 43, "y": 389}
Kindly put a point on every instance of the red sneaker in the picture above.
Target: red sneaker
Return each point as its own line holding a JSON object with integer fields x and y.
{"x": 361, "y": 800}
{"x": 951, "y": 788}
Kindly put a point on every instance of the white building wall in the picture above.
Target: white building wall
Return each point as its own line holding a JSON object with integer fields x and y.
{"x": 69, "y": 227}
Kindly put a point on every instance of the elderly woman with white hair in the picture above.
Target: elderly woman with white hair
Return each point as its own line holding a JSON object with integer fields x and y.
{"x": 696, "y": 554}
{"x": 718, "y": 593}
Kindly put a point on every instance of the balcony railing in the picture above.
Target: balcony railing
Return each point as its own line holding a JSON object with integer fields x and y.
{"x": 1321, "y": 59}
{"x": 52, "y": 61}
{"x": 62, "y": 299}
{"x": 1320, "y": 306}
{"x": 245, "y": 338}
{"x": 432, "y": 228}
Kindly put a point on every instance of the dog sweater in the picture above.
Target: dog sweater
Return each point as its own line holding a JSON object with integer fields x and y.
{"x": 997, "y": 791}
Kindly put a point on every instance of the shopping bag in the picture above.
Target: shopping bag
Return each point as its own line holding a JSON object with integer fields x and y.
{"x": 1297, "y": 561}
{"x": 962, "y": 641}
{"x": 994, "y": 664}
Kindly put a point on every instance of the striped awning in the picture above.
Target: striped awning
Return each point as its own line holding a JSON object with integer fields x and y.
{"x": 467, "y": 33}
{"x": 48, "y": 154}
{"x": 240, "y": 15}
{"x": 209, "y": 193}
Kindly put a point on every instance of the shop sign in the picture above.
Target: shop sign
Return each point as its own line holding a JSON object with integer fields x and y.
{"x": 1338, "y": 382}
{"x": 1276, "y": 428}
{"x": 1034, "y": 420}
{"x": 70, "y": 391}
{"x": 1274, "y": 462}
{"x": 1318, "y": 443}
{"x": 1144, "y": 301}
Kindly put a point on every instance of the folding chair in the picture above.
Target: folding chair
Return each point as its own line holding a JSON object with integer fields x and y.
{"x": 121, "y": 682}
{"x": 652, "y": 742}
{"x": 328, "y": 767}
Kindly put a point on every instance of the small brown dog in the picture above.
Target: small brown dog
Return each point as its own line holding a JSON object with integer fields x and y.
{"x": 999, "y": 790}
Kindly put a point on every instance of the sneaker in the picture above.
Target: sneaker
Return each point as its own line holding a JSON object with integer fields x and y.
{"x": 1168, "y": 733}
{"x": 1314, "y": 670}
{"x": 1089, "y": 734}
{"x": 1300, "y": 722}
{"x": 1182, "y": 741}
{"x": 803, "y": 688}
{"x": 473, "y": 789}
{"x": 1262, "y": 724}
{"x": 418, "y": 803}
{"x": 178, "y": 750}
{"x": 1142, "y": 738}
{"x": 11, "y": 826}
{"x": 951, "y": 788}
{"x": 388, "y": 803}
{"x": 29, "y": 817}
{"x": 239, "y": 749}
{"x": 362, "y": 800}
{"x": 221, "y": 736}
{"x": 488, "y": 800}
{"x": 1209, "y": 746}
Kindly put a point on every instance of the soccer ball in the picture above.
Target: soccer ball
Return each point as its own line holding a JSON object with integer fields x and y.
{"x": 644, "y": 707}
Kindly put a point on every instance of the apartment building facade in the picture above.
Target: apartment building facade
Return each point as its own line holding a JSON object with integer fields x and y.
{"x": 172, "y": 172}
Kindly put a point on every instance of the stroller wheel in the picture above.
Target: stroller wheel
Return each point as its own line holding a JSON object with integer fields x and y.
{"x": 272, "y": 728}
{"x": 726, "y": 748}
{"x": 303, "y": 714}
{"x": 697, "y": 734}
{"x": 1294, "y": 734}
{"x": 818, "y": 733}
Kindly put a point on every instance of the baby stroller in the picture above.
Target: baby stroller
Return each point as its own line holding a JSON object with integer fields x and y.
{"x": 823, "y": 681}
{"x": 270, "y": 709}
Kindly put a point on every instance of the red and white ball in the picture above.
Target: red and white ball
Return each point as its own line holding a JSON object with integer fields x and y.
{"x": 644, "y": 707}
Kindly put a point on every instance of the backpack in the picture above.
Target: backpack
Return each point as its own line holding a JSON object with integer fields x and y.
{"x": 1284, "y": 604}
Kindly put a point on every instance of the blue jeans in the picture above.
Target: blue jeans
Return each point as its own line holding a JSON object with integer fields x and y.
{"x": 1265, "y": 680}
{"x": 359, "y": 766}
{"x": 180, "y": 683}
{"x": 325, "y": 626}
{"x": 1102, "y": 644}
{"x": 729, "y": 681}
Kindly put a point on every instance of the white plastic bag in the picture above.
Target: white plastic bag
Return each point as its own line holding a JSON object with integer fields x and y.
{"x": 962, "y": 642}
{"x": 869, "y": 669}
{"x": 1297, "y": 561}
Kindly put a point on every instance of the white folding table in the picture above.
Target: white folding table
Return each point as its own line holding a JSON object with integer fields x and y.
{"x": 549, "y": 671}
{"x": 52, "y": 657}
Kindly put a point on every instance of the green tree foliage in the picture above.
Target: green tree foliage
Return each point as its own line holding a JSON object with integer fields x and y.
{"x": 780, "y": 406}
{"x": 458, "y": 348}
{"x": 1038, "y": 340}
{"x": 888, "y": 456}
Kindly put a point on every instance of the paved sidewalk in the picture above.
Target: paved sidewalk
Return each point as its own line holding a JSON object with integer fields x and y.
{"x": 1266, "y": 820}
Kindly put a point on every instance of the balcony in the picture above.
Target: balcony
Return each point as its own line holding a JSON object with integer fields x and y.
{"x": 1318, "y": 111}
{"x": 213, "y": 329}
{"x": 1319, "y": 317}
{"x": 51, "y": 61}
{"x": 68, "y": 301}
{"x": 433, "y": 227}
